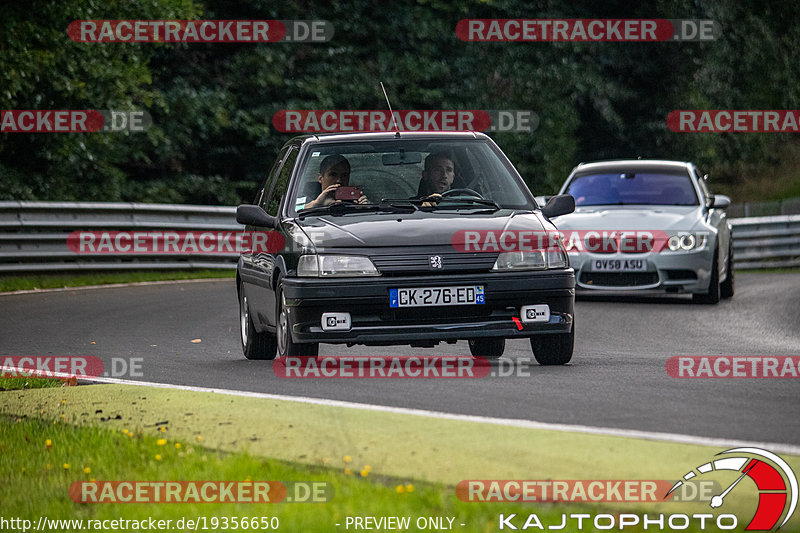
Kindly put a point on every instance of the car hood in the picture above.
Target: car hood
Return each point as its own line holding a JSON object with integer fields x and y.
{"x": 413, "y": 229}
{"x": 664, "y": 218}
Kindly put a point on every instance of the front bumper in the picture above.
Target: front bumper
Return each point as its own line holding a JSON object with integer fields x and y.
{"x": 374, "y": 322}
{"x": 680, "y": 272}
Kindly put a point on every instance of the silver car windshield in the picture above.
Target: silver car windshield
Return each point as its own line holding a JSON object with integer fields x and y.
{"x": 625, "y": 188}
{"x": 409, "y": 170}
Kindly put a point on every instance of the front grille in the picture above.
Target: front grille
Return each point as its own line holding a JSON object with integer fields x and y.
{"x": 619, "y": 279}
{"x": 420, "y": 263}
{"x": 435, "y": 315}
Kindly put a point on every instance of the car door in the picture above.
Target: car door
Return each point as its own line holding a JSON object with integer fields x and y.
{"x": 266, "y": 261}
{"x": 258, "y": 266}
{"x": 719, "y": 219}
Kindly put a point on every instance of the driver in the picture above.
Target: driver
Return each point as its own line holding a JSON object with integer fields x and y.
{"x": 437, "y": 175}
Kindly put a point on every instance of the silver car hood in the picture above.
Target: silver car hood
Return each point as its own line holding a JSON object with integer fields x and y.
{"x": 623, "y": 217}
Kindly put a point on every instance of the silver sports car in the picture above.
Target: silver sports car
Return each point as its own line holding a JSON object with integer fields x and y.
{"x": 648, "y": 225}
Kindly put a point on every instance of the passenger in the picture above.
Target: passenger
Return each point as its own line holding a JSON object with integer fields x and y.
{"x": 334, "y": 172}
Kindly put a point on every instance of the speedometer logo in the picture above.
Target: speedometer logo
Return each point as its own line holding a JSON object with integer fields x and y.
{"x": 774, "y": 479}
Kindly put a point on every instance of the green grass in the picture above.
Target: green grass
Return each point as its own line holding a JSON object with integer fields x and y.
{"x": 37, "y": 478}
{"x": 269, "y": 439}
{"x": 18, "y": 282}
{"x": 8, "y": 384}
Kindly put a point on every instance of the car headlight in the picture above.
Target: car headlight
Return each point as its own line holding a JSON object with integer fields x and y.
{"x": 687, "y": 242}
{"x": 323, "y": 266}
{"x": 557, "y": 257}
{"x": 553, "y": 257}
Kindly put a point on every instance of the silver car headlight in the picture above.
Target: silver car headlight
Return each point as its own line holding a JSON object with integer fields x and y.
{"x": 325, "y": 266}
{"x": 687, "y": 242}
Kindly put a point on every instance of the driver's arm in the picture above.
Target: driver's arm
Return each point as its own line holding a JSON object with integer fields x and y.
{"x": 434, "y": 199}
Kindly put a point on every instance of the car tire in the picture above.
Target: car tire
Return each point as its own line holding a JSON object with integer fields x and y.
{"x": 488, "y": 347}
{"x": 255, "y": 345}
{"x": 555, "y": 348}
{"x": 286, "y": 346}
{"x": 712, "y": 296}
{"x": 728, "y": 286}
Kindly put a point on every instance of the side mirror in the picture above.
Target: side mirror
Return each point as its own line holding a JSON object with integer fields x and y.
{"x": 721, "y": 201}
{"x": 253, "y": 215}
{"x": 561, "y": 204}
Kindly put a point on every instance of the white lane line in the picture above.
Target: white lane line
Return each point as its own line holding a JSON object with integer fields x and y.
{"x": 115, "y": 285}
{"x": 511, "y": 422}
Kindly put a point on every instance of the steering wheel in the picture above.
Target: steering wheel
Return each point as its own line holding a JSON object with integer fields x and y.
{"x": 463, "y": 192}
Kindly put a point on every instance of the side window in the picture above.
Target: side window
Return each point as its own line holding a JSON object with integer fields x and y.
{"x": 263, "y": 194}
{"x": 272, "y": 198}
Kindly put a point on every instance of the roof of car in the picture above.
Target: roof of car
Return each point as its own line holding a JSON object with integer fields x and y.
{"x": 389, "y": 136}
{"x": 632, "y": 163}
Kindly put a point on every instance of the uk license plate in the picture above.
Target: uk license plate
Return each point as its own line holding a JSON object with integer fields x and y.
{"x": 619, "y": 265}
{"x": 436, "y": 296}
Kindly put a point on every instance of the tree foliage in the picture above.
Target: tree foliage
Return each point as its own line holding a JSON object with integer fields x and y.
{"x": 212, "y": 104}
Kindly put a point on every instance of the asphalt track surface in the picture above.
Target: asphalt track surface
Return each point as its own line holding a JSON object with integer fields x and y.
{"x": 617, "y": 377}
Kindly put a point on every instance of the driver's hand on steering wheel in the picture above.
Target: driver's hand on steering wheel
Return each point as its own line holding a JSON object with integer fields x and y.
{"x": 432, "y": 200}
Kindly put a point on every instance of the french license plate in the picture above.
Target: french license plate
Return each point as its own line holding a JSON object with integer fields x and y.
{"x": 434, "y": 296}
{"x": 619, "y": 265}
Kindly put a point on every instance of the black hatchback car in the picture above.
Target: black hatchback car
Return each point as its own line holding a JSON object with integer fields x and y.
{"x": 402, "y": 238}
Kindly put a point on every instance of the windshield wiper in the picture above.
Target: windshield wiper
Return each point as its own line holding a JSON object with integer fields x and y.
{"x": 399, "y": 205}
{"x": 463, "y": 199}
{"x": 337, "y": 209}
{"x": 416, "y": 203}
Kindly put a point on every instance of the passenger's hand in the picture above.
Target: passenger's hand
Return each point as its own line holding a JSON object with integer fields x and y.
{"x": 362, "y": 200}
{"x": 326, "y": 197}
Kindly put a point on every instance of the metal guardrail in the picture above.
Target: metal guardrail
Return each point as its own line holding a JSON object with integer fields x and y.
{"x": 766, "y": 242}
{"x": 33, "y": 236}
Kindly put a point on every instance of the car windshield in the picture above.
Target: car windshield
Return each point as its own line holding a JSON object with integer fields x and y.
{"x": 633, "y": 187}
{"x": 469, "y": 175}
